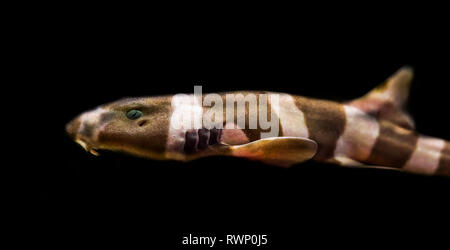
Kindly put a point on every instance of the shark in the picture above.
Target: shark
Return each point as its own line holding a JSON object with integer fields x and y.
{"x": 373, "y": 131}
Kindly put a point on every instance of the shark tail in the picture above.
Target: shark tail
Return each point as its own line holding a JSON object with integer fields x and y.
{"x": 398, "y": 145}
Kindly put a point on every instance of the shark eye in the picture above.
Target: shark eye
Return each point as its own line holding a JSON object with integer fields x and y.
{"x": 134, "y": 114}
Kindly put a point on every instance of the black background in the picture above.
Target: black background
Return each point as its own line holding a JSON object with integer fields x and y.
{"x": 79, "y": 60}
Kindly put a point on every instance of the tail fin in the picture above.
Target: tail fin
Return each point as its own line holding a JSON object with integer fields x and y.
{"x": 388, "y": 100}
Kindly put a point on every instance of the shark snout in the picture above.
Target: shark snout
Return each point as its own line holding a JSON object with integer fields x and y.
{"x": 81, "y": 127}
{"x": 72, "y": 127}
{"x": 84, "y": 129}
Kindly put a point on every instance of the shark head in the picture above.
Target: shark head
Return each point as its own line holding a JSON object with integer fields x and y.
{"x": 147, "y": 127}
{"x": 137, "y": 126}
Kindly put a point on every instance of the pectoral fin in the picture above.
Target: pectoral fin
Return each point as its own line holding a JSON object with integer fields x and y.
{"x": 280, "y": 151}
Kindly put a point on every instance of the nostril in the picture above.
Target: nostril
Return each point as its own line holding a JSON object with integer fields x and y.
{"x": 142, "y": 123}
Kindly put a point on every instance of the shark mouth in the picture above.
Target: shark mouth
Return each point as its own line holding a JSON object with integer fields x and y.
{"x": 87, "y": 147}
{"x": 200, "y": 139}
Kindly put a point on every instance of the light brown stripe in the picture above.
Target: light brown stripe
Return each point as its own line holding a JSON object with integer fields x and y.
{"x": 291, "y": 118}
{"x": 360, "y": 134}
{"x": 252, "y": 134}
{"x": 444, "y": 162}
{"x": 325, "y": 121}
{"x": 394, "y": 146}
{"x": 255, "y": 134}
{"x": 425, "y": 159}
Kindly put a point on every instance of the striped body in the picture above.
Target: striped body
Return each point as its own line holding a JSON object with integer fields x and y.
{"x": 371, "y": 131}
{"x": 348, "y": 136}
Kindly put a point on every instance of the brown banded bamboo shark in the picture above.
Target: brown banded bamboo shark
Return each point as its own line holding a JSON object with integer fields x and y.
{"x": 371, "y": 131}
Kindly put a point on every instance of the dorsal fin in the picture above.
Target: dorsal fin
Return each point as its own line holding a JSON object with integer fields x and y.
{"x": 388, "y": 100}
